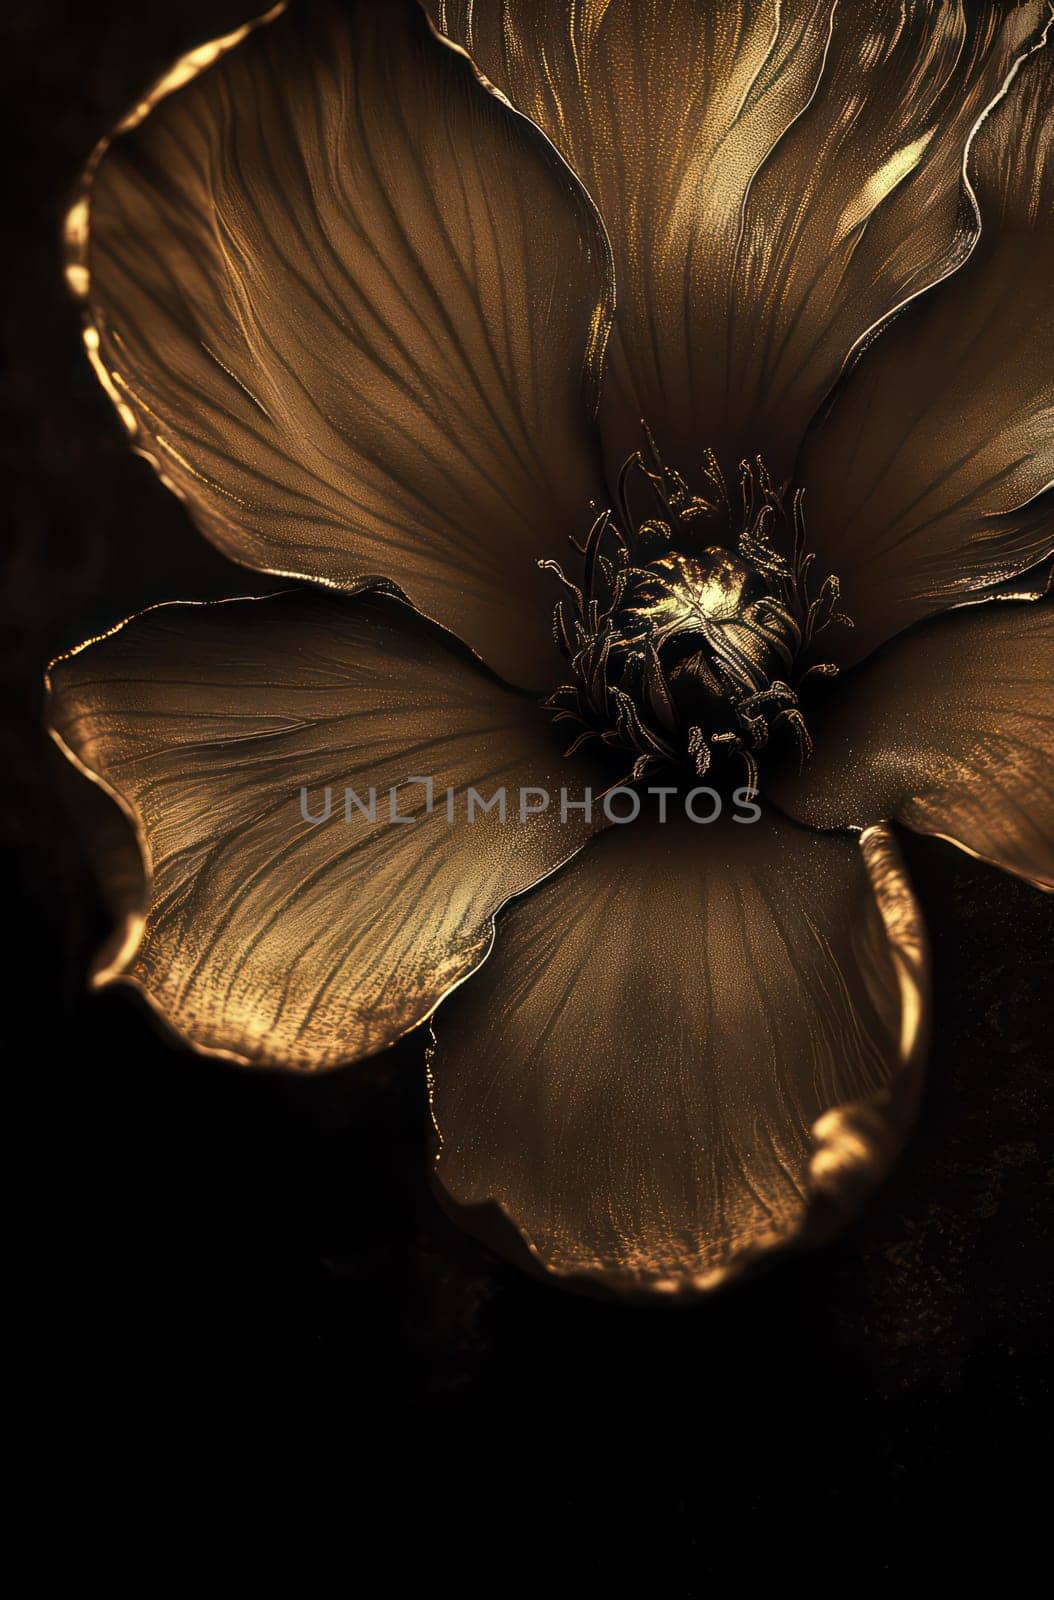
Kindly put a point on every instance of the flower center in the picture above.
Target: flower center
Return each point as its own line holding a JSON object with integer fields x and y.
{"x": 686, "y": 635}
{"x": 679, "y": 593}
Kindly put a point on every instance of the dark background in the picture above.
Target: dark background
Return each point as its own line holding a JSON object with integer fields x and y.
{"x": 243, "y": 1281}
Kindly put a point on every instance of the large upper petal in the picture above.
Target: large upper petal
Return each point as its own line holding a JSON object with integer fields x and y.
{"x": 950, "y": 730}
{"x": 696, "y": 1045}
{"x": 269, "y": 937}
{"x": 925, "y": 486}
{"x": 774, "y": 178}
{"x": 353, "y": 309}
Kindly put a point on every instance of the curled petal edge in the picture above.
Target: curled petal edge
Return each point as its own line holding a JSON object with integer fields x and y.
{"x": 76, "y": 226}
{"x": 971, "y": 237}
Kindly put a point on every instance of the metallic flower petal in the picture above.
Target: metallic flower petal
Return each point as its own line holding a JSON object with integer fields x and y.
{"x": 664, "y": 108}
{"x": 774, "y": 178}
{"x": 863, "y": 205}
{"x": 926, "y": 486}
{"x": 267, "y": 937}
{"x": 353, "y": 309}
{"x": 696, "y": 1046}
{"x": 950, "y": 730}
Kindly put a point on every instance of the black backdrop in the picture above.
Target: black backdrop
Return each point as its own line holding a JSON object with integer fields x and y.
{"x": 230, "y": 1270}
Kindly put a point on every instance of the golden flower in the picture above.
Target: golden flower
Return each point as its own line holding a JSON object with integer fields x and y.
{"x": 384, "y": 294}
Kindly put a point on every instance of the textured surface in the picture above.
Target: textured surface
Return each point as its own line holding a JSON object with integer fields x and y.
{"x": 951, "y": 731}
{"x": 775, "y": 179}
{"x": 241, "y": 1287}
{"x": 353, "y": 308}
{"x": 637, "y": 1075}
{"x": 270, "y": 936}
{"x": 924, "y": 488}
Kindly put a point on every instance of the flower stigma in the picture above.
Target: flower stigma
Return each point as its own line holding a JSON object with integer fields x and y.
{"x": 689, "y": 637}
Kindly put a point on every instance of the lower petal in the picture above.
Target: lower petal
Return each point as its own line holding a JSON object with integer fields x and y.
{"x": 286, "y": 924}
{"x": 696, "y": 1046}
{"x": 951, "y": 731}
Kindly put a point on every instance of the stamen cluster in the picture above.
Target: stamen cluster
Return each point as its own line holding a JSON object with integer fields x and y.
{"x": 687, "y": 631}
